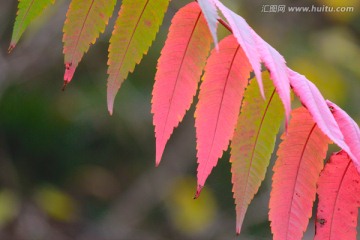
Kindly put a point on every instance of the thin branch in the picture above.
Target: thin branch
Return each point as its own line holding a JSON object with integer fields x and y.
{"x": 222, "y": 22}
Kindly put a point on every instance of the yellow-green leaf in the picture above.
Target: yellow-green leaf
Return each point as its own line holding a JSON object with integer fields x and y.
{"x": 253, "y": 142}
{"x": 85, "y": 19}
{"x": 135, "y": 30}
{"x": 28, "y": 10}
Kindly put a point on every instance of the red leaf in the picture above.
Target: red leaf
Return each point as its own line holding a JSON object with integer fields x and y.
{"x": 350, "y": 130}
{"x": 296, "y": 171}
{"x": 179, "y": 69}
{"x": 339, "y": 199}
{"x": 312, "y": 99}
{"x": 226, "y": 76}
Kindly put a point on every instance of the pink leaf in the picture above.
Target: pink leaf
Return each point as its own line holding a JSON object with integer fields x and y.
{"x": 339, "y": 199}
{"x": 226, "y": 76}
{"x": 350, "y": 130}
{"x": 242, "y": 32}
{"x": 210, "y": 12}
{"x": 312, "y": 99}
{"x": 296, "y": 171}
{"x": 178, "y": 71}
{"x": 278, "y": 71}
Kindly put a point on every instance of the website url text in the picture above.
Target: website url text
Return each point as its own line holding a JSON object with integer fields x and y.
{"x": 303, "y": 9}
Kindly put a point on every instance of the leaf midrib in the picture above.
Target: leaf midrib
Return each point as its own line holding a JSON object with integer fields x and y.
{"x": 219, "y": 110}
{"x": 178, "y": 74}
{"x": 256, "y": 140}
{"x": 296, "y": 181}
{"x": 81, "y": 32}
{"x": 130, "y": 40}
{"x": 337, "y": 197}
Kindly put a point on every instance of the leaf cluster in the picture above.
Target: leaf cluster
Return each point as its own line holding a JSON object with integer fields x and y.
{"x": 232, "y": 106}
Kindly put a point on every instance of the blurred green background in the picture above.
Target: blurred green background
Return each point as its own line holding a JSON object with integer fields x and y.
{"x": 68, "y": 170}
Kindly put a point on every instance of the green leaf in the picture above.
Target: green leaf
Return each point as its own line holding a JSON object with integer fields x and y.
{"x": 134, "y": 31}
{"x": 85, "y": 19}
{"x": 28, "y": 10}
{"x": 253, "y": 142}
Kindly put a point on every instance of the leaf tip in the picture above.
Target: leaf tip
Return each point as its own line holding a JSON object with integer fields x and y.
{"x": 287, "y": 119}
{"x": 110, "y": 110}
{"x": 112, "y": 89}
{"x": 258, "y": 76}
{"x": 238, "y": 227}
{"x": 69, "y": 72}
{"x": 157, "y": 161}
{"x": 64, "y": 85}
{"x": 198, "y": 191}
{"x": 159, "y": 150}
{"x": 11, "y": 47}
{"x": 110, "y": 102}
{"x": 260, "y": 82}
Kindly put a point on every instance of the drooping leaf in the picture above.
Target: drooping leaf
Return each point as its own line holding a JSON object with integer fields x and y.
{"x": 134, "y": 31}
{"x": 296, "y": 171}
{"x": 244, "y": 36}
{"x": 350, "y": 130}
{"x": 253, "y": 142}
{"x": 28, "y": 10}
{"x": 278, "y": 71}
{"x": 211, "y": 15}
{"x": 339, "y": 199}
{"x": 85, "y": 20}
{"x": 178, "y": 72}
{"x": 226, "y": 76}
{"x": 312, "y": 99}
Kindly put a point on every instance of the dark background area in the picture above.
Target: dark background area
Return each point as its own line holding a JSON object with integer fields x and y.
{"x": 68, "y": 170}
